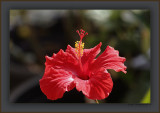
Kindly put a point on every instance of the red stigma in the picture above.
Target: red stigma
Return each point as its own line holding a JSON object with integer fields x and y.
{"x": 81, "y": 33}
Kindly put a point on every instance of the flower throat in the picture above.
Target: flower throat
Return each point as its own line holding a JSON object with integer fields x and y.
{"x": 78, "y": 44}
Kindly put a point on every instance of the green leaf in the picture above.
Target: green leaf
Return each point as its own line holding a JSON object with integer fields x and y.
{"x": 147, "y": 98}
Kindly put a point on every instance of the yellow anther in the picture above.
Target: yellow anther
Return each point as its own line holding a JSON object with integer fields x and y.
{"x": 79, "y": 48}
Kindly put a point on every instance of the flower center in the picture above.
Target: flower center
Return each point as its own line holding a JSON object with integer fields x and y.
{"x": 78, "y": 44}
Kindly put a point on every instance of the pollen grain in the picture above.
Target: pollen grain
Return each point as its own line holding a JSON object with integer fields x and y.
{"x": 79, "y": 48}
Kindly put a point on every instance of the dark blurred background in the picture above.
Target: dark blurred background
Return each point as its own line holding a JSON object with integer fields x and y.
{"x": 36, "y": 33}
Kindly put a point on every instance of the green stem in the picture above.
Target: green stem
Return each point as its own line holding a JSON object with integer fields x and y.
{"x": 97, "y": 101}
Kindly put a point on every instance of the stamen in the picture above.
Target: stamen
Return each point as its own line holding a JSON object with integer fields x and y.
{"x": 79, "y": 48}
{"x": 78, "y": 44}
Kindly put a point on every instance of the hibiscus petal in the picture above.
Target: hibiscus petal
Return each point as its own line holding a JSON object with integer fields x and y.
{"x": 99, "y": 85}
{"x": 110, "y": 59}
{"x": 62, "y": 60}
{"x": 71, "y": 51}
{"x": 90, "y": 54}
{"x": 56, "y": 83}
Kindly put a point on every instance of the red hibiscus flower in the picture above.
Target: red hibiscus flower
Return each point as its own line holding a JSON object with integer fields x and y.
{"x": 78, "y": 67}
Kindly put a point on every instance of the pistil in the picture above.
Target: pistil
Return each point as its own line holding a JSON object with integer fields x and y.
{"x": 79, "y": 46}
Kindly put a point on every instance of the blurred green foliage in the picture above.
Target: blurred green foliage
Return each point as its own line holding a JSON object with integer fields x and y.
{"x": 147, "y": 97}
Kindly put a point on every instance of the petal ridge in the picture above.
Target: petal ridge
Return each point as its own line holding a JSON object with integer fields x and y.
{"x": 110, "y": 59}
